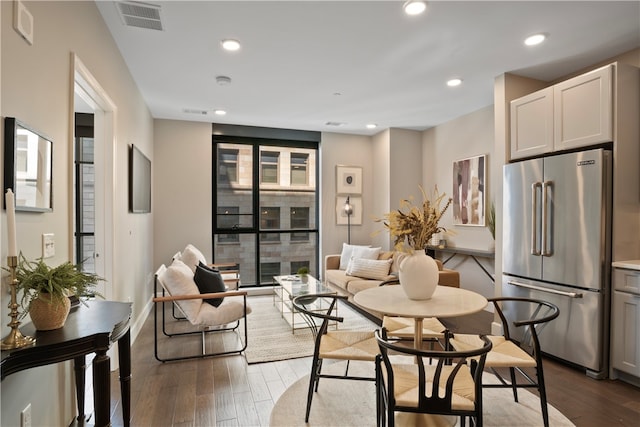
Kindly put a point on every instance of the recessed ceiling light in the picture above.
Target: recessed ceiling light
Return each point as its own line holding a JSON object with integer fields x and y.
{"x": 230, "y": 44}
{"x": 414, "y": 7}
{"x": 535, "y": 39}
{"x": 372, "y": 126}
{"x": 223, "y": 80}
{"x": 454, "y": 82}
{"x": 220, "y": 112}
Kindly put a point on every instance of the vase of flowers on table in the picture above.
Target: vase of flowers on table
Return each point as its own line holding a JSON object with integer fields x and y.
{"x": 412, "y": 227}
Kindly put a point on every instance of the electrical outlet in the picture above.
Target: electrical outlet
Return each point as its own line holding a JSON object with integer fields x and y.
{"x": 25, "y": 416}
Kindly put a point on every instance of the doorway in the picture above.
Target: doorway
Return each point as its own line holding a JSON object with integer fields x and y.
{"x": 90, "y": 98}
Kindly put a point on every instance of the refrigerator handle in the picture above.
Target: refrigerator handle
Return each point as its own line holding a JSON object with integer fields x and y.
{"x": 547, "y": 290}
{"x": 534, "y": 218}
{"x": 545, "y": 247}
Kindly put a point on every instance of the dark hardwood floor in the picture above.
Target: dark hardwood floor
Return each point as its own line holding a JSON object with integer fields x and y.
{"x": 228, "y": 392}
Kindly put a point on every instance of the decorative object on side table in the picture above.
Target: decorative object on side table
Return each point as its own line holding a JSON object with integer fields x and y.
{"x": 491, "y": 223}
{"x": 15, "y": 339}
{"x": 412, "y": 230}
{"x": 46, "y": 290}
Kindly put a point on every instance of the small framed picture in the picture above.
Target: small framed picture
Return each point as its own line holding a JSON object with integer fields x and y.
{"x": 348, "y": 179}
{"x": 355, "y": 218}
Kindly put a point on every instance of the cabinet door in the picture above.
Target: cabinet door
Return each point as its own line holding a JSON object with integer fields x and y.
{"x": 625, "y": 333}
{"x": 532, "y": 124}
{"x": 583, "y": 110}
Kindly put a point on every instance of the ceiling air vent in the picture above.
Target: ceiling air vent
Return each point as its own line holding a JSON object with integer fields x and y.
{"x": 335, "y": 124}
{"x": 195, "y": 111}
{"x": 141, "y": 15}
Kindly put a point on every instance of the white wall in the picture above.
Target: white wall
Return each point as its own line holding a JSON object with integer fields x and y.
{"x": 37, "y": 88}
{"x": 381, "y": 145}
{"x": 183, "y": 188}
{"x": 351, "y": 150}
{"x": 467, "y": 136}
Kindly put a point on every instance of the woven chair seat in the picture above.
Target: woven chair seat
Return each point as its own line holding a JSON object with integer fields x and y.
{"x": 404, "y": 327}
{"x": 406, "y": 385}
{"x": 349, "y": 345}
{"x": 522, "y": 356}
{"x": 437, "y": 382}
{"x": 504, "y": 353}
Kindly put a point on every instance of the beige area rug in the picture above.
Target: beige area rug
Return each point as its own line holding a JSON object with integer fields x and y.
{"x": 270, "y": 336}
{"x": 352, "y": 403}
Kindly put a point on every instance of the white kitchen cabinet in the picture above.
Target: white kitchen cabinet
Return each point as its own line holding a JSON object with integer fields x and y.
{"x": 532, "y": 124}
{"x": 583, "y": 110}
{"x": 625, "y": 326}
{"x": 575, "y": 113}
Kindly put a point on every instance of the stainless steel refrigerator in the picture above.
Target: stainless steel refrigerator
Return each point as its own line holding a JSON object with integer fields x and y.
{"x": 557, "y": 247}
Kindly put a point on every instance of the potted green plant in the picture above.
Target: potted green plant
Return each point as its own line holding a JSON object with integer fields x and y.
{"x": 491, "y": 223}
{"x": 303, "y": 272}
{"x": 46, "y": 290}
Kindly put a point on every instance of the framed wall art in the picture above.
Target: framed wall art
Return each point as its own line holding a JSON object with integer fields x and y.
{"x": 469, "y": 188}
{"x": 348, "y": 179}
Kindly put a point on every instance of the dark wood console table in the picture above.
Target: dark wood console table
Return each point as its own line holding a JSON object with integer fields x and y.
{"x": 473, "y": 253}
{"x": 89, "y": 329}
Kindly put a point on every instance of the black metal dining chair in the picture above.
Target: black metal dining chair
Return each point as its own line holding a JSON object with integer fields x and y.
{"x": 333, "y": 344}
{"x": 433, "y": 383}
{"x": 517, "y": 356}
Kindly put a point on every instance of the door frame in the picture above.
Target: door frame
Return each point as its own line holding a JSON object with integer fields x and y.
{"x": 86, "y": 86}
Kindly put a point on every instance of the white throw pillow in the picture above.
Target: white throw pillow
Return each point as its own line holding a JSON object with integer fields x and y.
{"x": 369, "y": 268}
{"x": 192, "y": 256}
{"x": 356, "y": 251}
{"x": 177, "y": 279}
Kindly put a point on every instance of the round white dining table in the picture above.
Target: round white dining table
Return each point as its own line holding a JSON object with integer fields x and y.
{"x": 445, "y": 302}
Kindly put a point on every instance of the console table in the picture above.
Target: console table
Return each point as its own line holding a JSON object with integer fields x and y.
{"x": 473, "y": 253}
{"x": 89, "y": 329}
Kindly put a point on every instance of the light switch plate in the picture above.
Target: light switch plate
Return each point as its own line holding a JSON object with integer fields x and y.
{"x": 23, "y": 21}
{"x": 48, "y": 245}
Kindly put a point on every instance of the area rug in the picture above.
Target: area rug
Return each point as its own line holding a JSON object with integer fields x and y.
{"x": 270, "y": 336}
{"x": 352, "y": 403}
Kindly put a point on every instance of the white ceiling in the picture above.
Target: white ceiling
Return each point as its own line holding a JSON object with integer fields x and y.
{"x": 305, "y": 63}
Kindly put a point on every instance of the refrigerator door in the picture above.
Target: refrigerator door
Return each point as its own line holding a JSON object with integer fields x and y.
{"x": 579, "y": 334}
{"x": 522, "y": 214}
{"x": 575, "y": 219}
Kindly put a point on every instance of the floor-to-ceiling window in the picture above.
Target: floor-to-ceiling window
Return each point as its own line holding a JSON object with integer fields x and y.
{"x": 265, "y": 202}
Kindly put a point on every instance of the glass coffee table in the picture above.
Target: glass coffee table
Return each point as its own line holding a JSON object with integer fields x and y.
{"x": 286, "y": 288}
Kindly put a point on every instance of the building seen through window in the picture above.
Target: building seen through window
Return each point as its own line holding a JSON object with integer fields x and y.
{"x": 266, "y": 207}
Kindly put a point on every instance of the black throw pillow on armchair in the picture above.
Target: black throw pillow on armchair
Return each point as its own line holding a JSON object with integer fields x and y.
{"x": 209, "y": 281}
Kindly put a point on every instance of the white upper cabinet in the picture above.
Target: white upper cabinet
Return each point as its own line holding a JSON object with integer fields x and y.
{"x": 583, "y": 110}
{"x": 532, "y": 124}
{"x": 575, "y": 113}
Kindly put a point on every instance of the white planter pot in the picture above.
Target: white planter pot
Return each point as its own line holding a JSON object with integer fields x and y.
{"x": 418, "y": 276}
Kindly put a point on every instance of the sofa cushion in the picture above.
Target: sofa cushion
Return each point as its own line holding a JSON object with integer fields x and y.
{"x": 357, "y": 285}
{"x": 192, "y": 256}
{"x": 177, "y": 279}
{"x": 209, "y": 281}
{"x": 369, "y": 268}
{"x": 356, "y": 251}
{"x": 338, "y": 278}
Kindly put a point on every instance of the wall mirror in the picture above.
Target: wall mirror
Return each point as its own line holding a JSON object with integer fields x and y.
{"x": 28, "y": 164}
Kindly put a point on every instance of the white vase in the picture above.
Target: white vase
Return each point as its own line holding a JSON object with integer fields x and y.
{"x": 418, "y": 274}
